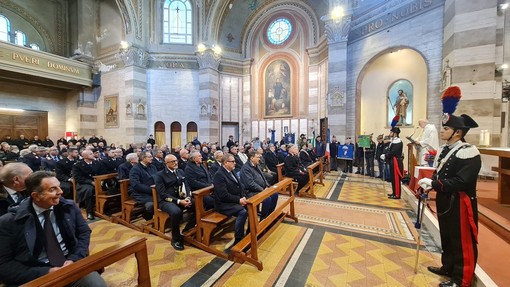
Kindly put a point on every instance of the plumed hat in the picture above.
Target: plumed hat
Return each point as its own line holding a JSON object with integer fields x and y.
{"x": 450, "y": 99}
{"x": 394, "y": 122}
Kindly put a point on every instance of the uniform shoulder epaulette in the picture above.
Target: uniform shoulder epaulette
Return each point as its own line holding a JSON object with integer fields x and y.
{"x": 467, "y": 151}
{"x": 396, "y": 140}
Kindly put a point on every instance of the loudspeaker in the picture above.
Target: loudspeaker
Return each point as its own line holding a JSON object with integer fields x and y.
{"x": 96, "y": 80}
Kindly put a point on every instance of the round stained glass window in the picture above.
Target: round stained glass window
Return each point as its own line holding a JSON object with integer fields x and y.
{"x": 279, "y": 31}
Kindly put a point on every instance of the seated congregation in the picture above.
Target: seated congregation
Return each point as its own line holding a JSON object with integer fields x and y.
{"x": 188, "y": 196}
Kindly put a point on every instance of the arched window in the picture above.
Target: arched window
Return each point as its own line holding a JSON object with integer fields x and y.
{"x": 176, "y": 130}
{"x": 5, "y": 28}
{"x": 159, "y": 130}
{"x": 20, "y": 39}
{"x": 279, "y": 31}
{"x": 191, "y": 131}
{"x": 35, "y": 47}
{"x": 177, "y": 22}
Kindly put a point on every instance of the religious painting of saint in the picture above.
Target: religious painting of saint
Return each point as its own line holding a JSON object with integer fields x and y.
{"x": 277, "y": 90}
{"x": 400, "y": 101}
{"x": 111, "y": 112}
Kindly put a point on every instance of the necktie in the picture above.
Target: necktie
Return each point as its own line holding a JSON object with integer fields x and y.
{"x": 53, "y": 250}
{"x": 19, "y": 199}
{"x": 55, "y": 159}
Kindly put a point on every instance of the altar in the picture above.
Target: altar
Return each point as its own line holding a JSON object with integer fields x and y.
{"x": 503, "y": 170}
{"x": 419, "y": 173}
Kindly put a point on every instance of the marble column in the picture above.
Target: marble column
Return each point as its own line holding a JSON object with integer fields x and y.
{"x": 208, "y": 96}
{"x": 337, "y": 32}
{"x": 133, "y": 92}
{"x": 470, "y": 47}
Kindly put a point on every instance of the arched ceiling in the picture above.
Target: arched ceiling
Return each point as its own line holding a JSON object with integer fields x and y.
{"x": 234, "y": 20}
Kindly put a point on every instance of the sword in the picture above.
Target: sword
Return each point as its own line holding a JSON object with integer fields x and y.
{"x": 422, "y": 204}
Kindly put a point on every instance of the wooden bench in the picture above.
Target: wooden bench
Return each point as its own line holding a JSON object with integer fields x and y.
{"x": 75, "y": 197}
{"x": 99, "y": 260}
{"x": 102, "y": 198}
{"x": 129, "y": 207}
{"x": 315, "y": 176}
{"x": 159, "y": 220}
{"x": 209, "y": 222}
{"x": 279, "y": 171}
{"x": 303, "y": 192}
{"x": 259, "y": 231}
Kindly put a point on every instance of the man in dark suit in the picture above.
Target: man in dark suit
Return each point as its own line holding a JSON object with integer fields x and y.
{"x": 141, "y": 177}
{"x": 124, "y": 169}
{"x": 22, "y": 142}
{"x": 333, "y": 147}
{"x": 49, "y": 163}
{"x": 239, "y": 162}
{"x": 215, "y": 166}
{"x": 271, "y": 158}
{"x": 230, "y": 142}
{"x": 304, "y": 156}
{"x": 197, "y": 175}
{"x": 84, "y": 172}
{"x": 230, "y": 196}
{"x": 33, "y": 159}
{"x": 108, "y": 164}
{"x": 282, "y": 153}
{"x": 45, "y": 234}
{"x": 12, "y": 190}
{"x": 174, "y": 197}
{"x": 64, "y": 171}
{"x": 254, "y": 181}
{"x": 294, "y": 168}
{"x": 159, "y": 159}
{"x": 183, "y": 158}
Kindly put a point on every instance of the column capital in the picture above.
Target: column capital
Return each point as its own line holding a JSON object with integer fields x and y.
{"x": 337, "y": 30}
{"x": 208, "y": 59}
{"x": 134, "y": 56}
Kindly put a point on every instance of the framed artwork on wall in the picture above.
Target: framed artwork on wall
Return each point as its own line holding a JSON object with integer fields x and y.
{"x": 277, "y": 90}
{"x": 111, "y": 112}
{"x": 400, "y": 101}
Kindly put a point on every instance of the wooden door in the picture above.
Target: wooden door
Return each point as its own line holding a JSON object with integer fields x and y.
{"x": 27, "y": 123}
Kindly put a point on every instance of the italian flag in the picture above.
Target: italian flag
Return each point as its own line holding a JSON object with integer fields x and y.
{"x": 327, "y": 151}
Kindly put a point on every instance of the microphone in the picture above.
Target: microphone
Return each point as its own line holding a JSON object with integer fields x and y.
{"x": 415, "y": 129}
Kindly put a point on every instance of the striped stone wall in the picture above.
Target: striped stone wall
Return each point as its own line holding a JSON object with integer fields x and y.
{"x": 470, "y": 44}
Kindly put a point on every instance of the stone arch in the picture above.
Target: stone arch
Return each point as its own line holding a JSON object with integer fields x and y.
{"x": 159, "y": 133}
{"x": 175, "y": 134}
{"x": 191, "y": 131}
{"x": 362, "y": 74}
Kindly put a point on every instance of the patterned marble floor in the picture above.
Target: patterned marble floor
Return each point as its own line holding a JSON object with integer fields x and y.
{"x": 352, "y": 235}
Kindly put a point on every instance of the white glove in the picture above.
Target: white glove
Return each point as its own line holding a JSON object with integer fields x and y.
{"x": 425, "y": 183}
{"x": 383, "y": 157}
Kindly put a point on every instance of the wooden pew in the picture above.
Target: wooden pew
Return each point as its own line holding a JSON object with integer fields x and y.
{"x": 259, "y": 231}
{"x": 302, "y": 192}
{"x": 99, "y": 260}
{"x": 279, "y": 169}
{"x": 160, "y": 218}
{"x": 75, "y": 198}
{"x": 315, "y": 176}
{"x": 209, "y": 222}
{"x": 129, "y": 208}
{"x": 102, "y": 198}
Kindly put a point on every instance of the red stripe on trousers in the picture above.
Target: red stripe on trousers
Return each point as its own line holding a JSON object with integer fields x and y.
{"x": 467, "y": 230}
{"x": 396, "y": 177}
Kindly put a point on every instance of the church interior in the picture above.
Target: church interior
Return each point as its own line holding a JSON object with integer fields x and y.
{"x": 268, "y": 71}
